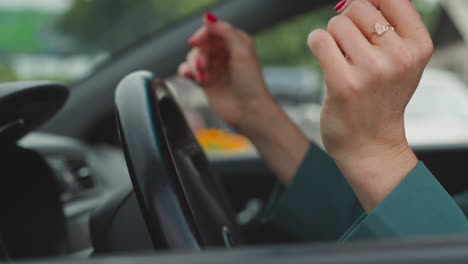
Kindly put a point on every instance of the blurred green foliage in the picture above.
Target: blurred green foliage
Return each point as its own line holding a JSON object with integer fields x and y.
{"x": 20, "y": 31}
{"x": 90, "y": 27}
{"x": 6, "y": 72}
{"x": 286, "y": 43}
{"x": 111, "y": 25}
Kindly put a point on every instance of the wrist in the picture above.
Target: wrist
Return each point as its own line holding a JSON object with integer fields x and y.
{"x": 279, "y": 141}
{"x": 255, "y": 111}
{"x": 374, "y": 175}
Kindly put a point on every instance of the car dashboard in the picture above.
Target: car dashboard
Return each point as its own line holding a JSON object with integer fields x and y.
{"x": 86, "y": 176}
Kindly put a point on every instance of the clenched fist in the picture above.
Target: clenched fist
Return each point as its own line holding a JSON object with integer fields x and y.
{"x": 373, "y": 55}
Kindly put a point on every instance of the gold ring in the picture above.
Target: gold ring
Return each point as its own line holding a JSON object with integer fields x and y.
{"x": 381, "y": 29}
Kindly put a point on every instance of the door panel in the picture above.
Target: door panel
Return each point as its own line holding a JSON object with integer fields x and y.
{"x": 244, "y": 179}
{"x": 449, "y": 164}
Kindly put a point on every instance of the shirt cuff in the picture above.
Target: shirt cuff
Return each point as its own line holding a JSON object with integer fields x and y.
{"x": 419, "y": 205}
{"x": 318, "y": 204}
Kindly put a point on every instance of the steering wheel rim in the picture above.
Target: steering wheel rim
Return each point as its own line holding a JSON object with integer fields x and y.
{"x": 183, "y": 203}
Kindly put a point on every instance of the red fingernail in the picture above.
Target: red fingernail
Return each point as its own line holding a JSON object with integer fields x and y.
{"x": 210, "y": 17}
{"x": 340, "y": 5}
{"x": 201, "y": 77}
{"x": 198, "y": 64}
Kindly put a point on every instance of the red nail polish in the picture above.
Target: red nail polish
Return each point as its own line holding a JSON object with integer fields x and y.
{"x": 198, "y": 64}
{"x": 201, "y": 77}
{"x": 210, "y": 17}
{"x": 340, "y": 5}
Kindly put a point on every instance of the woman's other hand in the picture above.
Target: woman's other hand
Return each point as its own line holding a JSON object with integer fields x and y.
{"x": 223, "y": 60}
{"x": 370, "y": 79}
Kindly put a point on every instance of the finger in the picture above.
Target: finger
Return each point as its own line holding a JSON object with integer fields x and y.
{"x": 192, "y": 59}
{"x": 200, "y": 60}
{"x": 350, "y": 40}
{"x": 369, "y": 21}
{"x": 329, "y": 55}
{"x": 200, "y": 37}
{"x": 185, "y": 71}
{"x": 404, "y": 17}
{"x": 401, "y": 14}
{"x": 191, "y": 64}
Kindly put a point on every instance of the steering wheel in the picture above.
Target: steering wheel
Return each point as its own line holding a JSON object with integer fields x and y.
{"x": 180, "y": 197}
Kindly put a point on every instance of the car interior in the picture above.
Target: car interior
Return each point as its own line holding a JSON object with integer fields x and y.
{"x": 109, "y": 167}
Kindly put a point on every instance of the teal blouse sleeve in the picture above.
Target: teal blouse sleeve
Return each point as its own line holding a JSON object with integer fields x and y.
{"x": 418, "y": 206}
{"x": 320, "y": 205}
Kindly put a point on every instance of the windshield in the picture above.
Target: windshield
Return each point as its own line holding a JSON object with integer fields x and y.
{"x": 65, "y": 40}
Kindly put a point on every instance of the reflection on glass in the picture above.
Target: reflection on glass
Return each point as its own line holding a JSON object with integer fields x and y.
{"x": 215, "y": 137}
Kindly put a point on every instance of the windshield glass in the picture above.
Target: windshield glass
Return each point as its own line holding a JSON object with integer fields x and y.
{"x": 294, "y": 78}
{"x": 65, "y": 40}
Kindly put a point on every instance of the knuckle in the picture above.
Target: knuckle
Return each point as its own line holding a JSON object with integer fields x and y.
{"x": 250, "y": 40}
{"x": 376, "y": 66}
{"x": 337, "y": 22}
{"x": 245, "y": 51}
{"x": 242, "y": 54}
{"x": 246, "y": 38}
{"x": 377, "y": 70}
{"x": 228, "y": 27}
{"x": 403, "y": 61}
{"x": 426, "y": 49}
{"x": 357, "y": 5}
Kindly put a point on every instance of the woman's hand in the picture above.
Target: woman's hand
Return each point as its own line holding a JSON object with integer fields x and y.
{"x": 370, "y": 79}
{"x": 224, "y": 62}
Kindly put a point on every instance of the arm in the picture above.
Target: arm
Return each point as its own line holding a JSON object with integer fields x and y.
{"x": 362, "y": 122}
{"x": 362, "y": 118}
{"x": 223, "y": 60}
{"x": 418, "y": 206}
{"x": 363, "y": 128}
{"x": 317, "y": 205}
{"x": 282, "y": 146}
